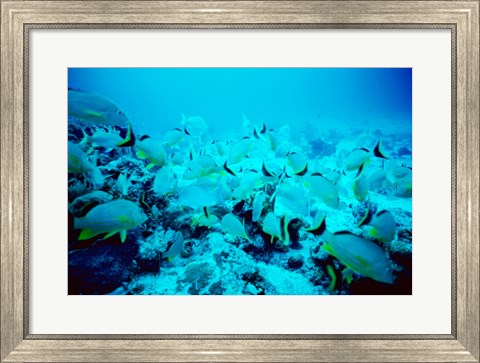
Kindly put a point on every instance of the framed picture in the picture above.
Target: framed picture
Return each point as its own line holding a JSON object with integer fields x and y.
{"x": 239, "y": 181}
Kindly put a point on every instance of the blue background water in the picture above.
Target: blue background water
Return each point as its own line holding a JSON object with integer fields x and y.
{"x": 331, "y": 98}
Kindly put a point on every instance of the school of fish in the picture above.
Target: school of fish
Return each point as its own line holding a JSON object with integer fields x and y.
{"x": 255, "y": 186}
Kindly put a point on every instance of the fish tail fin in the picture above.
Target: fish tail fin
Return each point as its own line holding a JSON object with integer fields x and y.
{"x": 129, "y": 140}
{"x": 378, "y": 152}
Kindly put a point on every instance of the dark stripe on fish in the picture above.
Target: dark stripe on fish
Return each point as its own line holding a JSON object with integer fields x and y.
{"x": 378, "y": 153}
{"x": 318, "y": 231}
{"x": 366, "y": 218}
{"x": 264, "y": 129}
{"x": 360, "y": 169}
{"x": 317, "y": 174}
{"x": 169, "y": 245}
{"x": 304, "y": 171}
{"x": 228, "y": 170}
{"x": 130, "y": 139}
{"x": 265, "y": 171}
{"x": 381, "y": 212}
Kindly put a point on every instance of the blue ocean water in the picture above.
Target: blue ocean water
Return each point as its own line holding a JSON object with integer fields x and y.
{"x": 240, "y": 181}
{"x": 156, "y": 98}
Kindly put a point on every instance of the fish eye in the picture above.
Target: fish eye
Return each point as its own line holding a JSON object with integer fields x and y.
{"x": 119, "y": 112}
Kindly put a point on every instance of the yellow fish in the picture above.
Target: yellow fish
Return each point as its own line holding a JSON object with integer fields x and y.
{"x": 232, "y": 226}
{"x": 360, "y": 185}
{"x": 360, "y": 255}
{"x": 152, "y": 150}
{"x": 382, "y": 224}
{"x": 94, "y": 108}
{"x": 110, "y": 218}
{"x": 77, "y": 160}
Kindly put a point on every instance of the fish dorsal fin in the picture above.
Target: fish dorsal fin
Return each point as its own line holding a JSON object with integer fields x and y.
{"x": 378, "y": 152}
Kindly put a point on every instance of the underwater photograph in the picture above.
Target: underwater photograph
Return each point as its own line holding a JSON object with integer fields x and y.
{"x": 239, "y": 181}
